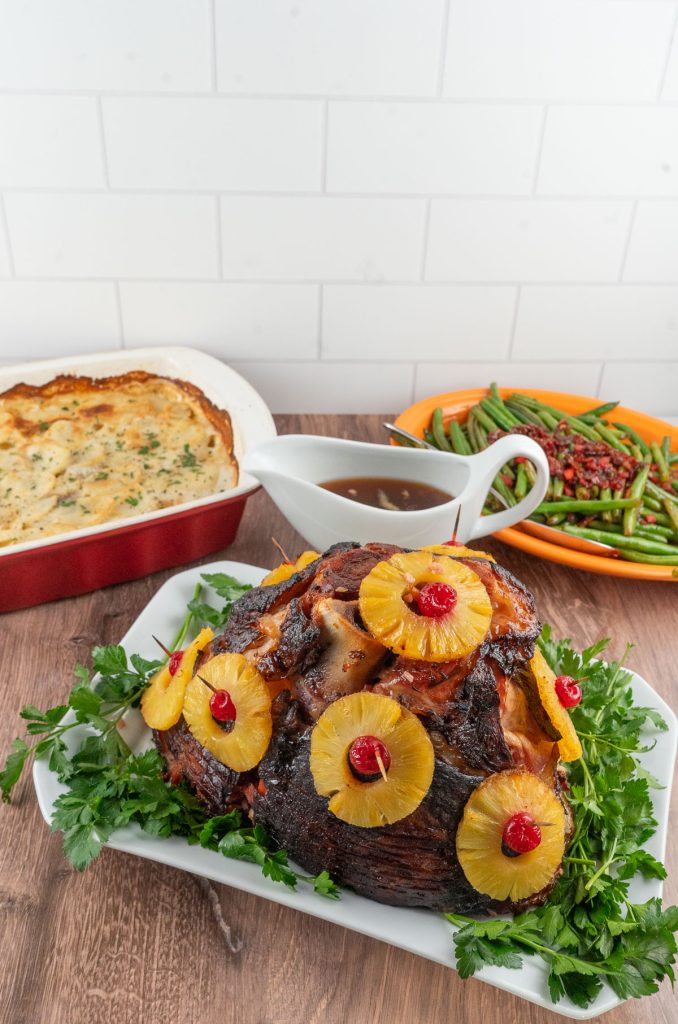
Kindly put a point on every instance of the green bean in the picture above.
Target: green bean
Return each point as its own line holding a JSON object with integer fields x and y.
{"x": 558, "y": 486}
{"x": 572, "y": 505}
{"x": 458, "y": 439}
{"x": 541, "y": 408}
{"x": 673, "y": 458}
{"x": 659, "y": 493}
{"x": 672, "y": 512}
{"x": 658, "y": 457}
{"x": 483, "y": 419}
{"x": 524, "y": 415}
{"x": 666, "y": 449}
{"x": 606, "y": 495}
{"x": 556, "y": 520}
{"x": 429, "y": 438}
{"x": 494, "y": 392}
{"x": 505, "y": 419}
{"x": 610, "y": 438}
{"x": 652, "y": 503}
{"x": 438, "y": 431}
{"x": 520, "y": 489}
{"x": 635, "y": 556}
{"x": 600, "y": 410}
{"x": 636, "y": 438}
{"x": 618, "y": 540}
{"x": 630, "y": 517}
{"x": 506, "y": 492}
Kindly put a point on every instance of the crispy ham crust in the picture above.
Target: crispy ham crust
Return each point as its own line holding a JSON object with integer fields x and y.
{"x": 79, "y": 451}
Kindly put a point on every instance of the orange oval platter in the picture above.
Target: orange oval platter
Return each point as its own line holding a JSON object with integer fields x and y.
{"x": 455, "y": 405}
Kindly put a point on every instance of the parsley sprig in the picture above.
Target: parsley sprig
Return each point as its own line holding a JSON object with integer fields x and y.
{"x": 226, "y": 587}
{"x": 109, "y": 787}
{"x": 589, "y": 932}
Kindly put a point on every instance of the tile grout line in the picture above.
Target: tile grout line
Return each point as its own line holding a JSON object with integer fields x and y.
{"x": 427, "y": 99}
{"x": 424, "y": 246}
{"x": 442, "y": 53}
{"x": 213, "y": 47}
{"x": 540, "y": 150}
{"x": 354, "y": 282}
{"x": 118, "y": 306}
{"x": 220, "y": 251}
{"x": 665, "y": 69}
{"x": 514, "y": 323}
{"x": 102, "y": 140}
{"x": 600, "y": 378}
{"x": 627, "y": 246}
{"x": 324, "y": 142}
{"x": 319, "y": 344}
{"x": 4, "y": 225}
{"x": 379, "y": 197}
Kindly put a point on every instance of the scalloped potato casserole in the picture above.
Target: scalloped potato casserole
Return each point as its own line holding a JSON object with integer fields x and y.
{"x": 80, "y": 451}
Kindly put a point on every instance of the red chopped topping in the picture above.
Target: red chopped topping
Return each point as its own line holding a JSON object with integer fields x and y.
{"x": 581, "y": 463}
{"x": 436, "y": 599}
{"x": 649, "y": 518}
{"x": 521, "y": 833}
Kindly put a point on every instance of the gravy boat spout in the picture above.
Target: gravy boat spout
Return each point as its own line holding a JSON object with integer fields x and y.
{"x": 293, "y": 467}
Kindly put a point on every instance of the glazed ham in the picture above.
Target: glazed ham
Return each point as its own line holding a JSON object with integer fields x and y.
{"x": 306, "y": 638}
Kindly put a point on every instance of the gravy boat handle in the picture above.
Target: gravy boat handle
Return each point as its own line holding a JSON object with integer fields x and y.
{"x": 484, "y": 467}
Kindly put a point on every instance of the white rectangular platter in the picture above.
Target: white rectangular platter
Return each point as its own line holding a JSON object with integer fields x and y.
{"x": 421, "y": 932}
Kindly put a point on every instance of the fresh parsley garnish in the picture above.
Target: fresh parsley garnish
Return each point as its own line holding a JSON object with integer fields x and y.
{"x": 109, "y": 787}
{"x": 227, "y": 587}
{"x": 589, "y": 932}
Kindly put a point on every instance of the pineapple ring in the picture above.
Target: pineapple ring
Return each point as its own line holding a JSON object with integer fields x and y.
{"x": 458, "y": 551}
{"x": 163, "y": 699}
{"x": 371, "y": 804}
{"x": 244, "y": 746}
{"x": 287, "y": 569}
{"x": 479, "y": 836}
{"x": 569, "y": 744}
{"x": 397, "y": 626}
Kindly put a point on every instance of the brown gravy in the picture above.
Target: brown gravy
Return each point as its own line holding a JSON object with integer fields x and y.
{"x": 387, "y": 493}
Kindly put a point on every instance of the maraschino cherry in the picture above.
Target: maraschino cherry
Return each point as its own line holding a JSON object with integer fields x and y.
{"x": 436, "y": 599}
{"x": 175, "y": 661}
{"x": 364, "y": 755}
{"x": 222, "y": 707}
{"x": 521, "y": 834}
{"x": 568, "y": 691}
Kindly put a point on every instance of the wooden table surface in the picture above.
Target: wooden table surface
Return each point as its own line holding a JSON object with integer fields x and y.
{"x": 130, "y": 940}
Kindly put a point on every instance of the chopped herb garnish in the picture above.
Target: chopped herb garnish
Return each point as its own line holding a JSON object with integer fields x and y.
{"x": 101, "y": 476}
{"x": 188, "y": 459}
{"x": 132, "y": 501}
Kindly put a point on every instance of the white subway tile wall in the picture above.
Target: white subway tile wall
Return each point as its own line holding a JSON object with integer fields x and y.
{"x": 355, "y": 203}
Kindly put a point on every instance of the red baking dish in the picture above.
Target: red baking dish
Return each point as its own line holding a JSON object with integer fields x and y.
{"x": 95, "y": 557}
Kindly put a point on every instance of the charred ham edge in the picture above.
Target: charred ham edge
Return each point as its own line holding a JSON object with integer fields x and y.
{"x": 215, "y": 785}
{"x": 411, "y": 863}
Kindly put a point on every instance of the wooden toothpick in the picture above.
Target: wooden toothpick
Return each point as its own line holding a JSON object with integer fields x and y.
{"x": 381, "y": 766}
{"x": 162, "y": 646}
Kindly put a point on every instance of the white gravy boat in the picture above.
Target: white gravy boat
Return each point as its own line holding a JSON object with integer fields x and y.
{"x": 292, "y": 466}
